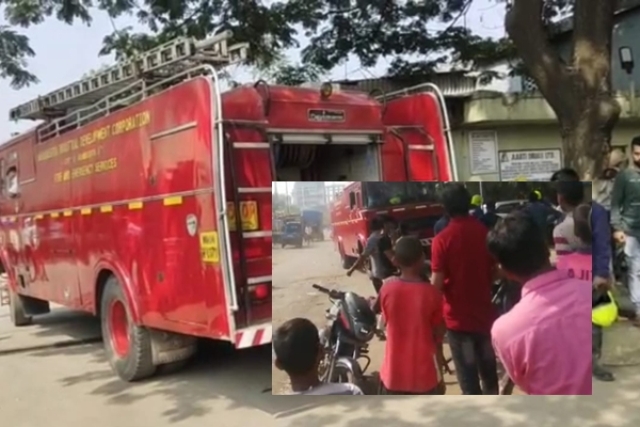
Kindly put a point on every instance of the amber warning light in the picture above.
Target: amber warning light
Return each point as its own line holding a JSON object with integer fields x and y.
{"x": 326, "y": 90}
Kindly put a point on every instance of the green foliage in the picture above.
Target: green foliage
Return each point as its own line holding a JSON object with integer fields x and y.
{"x": 266, "y": 27}
{"x": 398, "y": 31}
{"x": 284, "y": 72}
{"x": 14, "y": 50}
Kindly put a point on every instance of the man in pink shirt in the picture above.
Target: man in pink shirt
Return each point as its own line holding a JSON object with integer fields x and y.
{"x": 544, "y": 341}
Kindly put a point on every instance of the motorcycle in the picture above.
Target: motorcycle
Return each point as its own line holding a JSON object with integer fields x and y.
{"x": 505, "y": 296}
{"x": 351, "y": 325}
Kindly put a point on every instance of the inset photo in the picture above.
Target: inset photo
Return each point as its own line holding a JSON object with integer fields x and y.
{"x": 409, "y": 288}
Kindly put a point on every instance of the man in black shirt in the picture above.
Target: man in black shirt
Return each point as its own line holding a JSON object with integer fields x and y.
{"x": 490, "y": 218}
{"x": 379, "y": 249}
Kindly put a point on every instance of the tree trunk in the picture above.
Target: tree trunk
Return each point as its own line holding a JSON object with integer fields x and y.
{"x": 578, "y": 90}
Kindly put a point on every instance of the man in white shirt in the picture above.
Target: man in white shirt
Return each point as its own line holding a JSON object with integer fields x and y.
{"x": 603, "y": 186}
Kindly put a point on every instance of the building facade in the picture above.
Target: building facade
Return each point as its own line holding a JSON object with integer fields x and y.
{"x": 308, "y": 194}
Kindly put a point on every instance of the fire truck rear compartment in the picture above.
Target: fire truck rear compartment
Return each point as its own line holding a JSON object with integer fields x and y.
{"x": 327, "y": 162}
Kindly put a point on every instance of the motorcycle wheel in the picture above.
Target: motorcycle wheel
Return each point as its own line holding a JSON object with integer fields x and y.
{"x": 340, "y": 374}
{"x": 343, "y": 375}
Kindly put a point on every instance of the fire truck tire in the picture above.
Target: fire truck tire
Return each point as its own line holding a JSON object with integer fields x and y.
{"x": 131, "y": 359}
{"x": 16, "y": 310}
{"x": 347, "y": 262}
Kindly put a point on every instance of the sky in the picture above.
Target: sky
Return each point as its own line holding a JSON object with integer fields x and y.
{"x": 64, "y": 53}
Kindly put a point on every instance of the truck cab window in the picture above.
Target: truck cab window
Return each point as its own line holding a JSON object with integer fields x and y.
{"x": 11, "y": 186}
{"x": 352, "y": 200}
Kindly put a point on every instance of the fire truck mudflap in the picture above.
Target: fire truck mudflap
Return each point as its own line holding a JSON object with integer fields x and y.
{"x": 254, "y": 336}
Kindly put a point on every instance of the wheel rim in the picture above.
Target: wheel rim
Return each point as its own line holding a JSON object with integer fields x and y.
{"x": 119, "y": 328}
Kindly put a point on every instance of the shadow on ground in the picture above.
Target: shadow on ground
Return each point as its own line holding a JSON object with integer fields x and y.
{"x": 217, "y": 372}
{"x": 221, "y": 377}
{"x": 612, "y": 404}
{"x": 615, "y": 407}
{"x": 217, "y": 375}
{"x": 62, "y": 323}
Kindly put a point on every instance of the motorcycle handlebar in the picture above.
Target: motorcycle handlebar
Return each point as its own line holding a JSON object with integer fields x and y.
{"x": 331, "y": 292}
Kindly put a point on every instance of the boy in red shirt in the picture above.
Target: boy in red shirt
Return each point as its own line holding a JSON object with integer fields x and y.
{"x": 413, "y": 359}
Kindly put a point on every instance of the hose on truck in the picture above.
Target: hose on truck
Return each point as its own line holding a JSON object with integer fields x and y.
{"x": 299, "y": 156}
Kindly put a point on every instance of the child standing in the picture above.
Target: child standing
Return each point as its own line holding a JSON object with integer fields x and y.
{"x": 297, "y": 349}
{"x": 412, "y": 308}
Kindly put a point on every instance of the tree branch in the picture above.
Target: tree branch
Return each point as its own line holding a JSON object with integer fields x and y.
{"x": 525, "y": 26}
{"x": 592, "y": 33}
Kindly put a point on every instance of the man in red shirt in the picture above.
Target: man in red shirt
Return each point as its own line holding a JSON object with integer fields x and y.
{"x": 464, "y": 270}
{"x": 413, "y": 359}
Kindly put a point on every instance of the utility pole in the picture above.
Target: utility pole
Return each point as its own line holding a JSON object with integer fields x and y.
{"x": 286, "y": 193}
{"x": 276, "y": 197}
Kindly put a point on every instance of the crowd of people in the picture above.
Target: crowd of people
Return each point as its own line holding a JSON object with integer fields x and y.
{"x": 541, "y": 341}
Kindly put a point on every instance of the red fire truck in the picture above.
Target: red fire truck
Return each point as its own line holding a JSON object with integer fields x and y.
{"x": 135, "y": 201}
{"x": 330, "y": 134}
{"x": 123, "y": 201}
{"x": 413, "y": 204}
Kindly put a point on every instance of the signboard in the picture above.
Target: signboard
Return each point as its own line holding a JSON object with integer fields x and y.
{"x": 529, "y": 165}
{"x": 483, "y": 152}
{"x": 209, "y": 248}
{"x": 249, "y": 215}
{"x": 326, "y": 116}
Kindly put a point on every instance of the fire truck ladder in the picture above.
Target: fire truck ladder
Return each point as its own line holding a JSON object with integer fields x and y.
{"x": 161, "y": 63}
{"x": 239, "y": 153}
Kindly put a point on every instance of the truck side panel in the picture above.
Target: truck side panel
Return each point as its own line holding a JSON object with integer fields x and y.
{"x": 134, "y": 192}
{"x": 30, "y": 240}
{"x": 417, "y": 123}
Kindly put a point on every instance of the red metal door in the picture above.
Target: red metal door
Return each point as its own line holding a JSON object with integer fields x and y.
{"x": 417, "y": 128}
{"x": 249, "y": 178}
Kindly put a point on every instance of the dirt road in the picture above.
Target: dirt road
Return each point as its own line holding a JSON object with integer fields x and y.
{"x": 294, "y": 271}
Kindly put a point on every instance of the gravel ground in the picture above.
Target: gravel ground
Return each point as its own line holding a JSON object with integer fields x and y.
{"x": 294, "y": 271}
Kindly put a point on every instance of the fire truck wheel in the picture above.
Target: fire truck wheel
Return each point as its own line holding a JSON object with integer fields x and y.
{"x": 16, "y": 310}
{"x": 128, "y": 345}
{"x": 347, "y": 262}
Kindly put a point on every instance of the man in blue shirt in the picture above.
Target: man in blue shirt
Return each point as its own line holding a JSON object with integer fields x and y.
{"x": 440, "y": 224}
{"x": 601, "y": 233}
{"x": 539, "y": 211}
